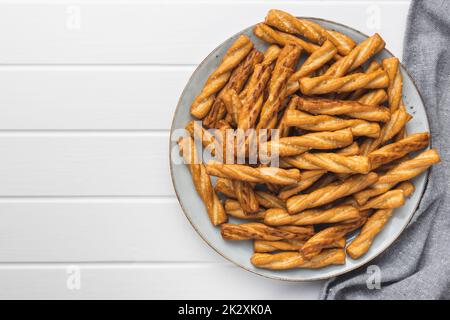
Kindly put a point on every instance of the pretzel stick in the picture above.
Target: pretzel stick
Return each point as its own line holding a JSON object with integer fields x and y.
{"x": 402, "y": 172}
{"x": 398, "y": 149}
{"x": 359, "y": 55}
{"x": 218, "y": 79}
{"x": 257, "y": 231}
{"x": 283, "y": 127}
{"x": 291, "y": 146}
{"x": 238, "y": 78}
{"x": 375, "y": 223}
{"x": 277, "y": 86}
{"x": 280, "y": 217}
{"x": 234, "y": 209}
{"x": 246, "y": 196}
{"x": 250, "y": 174}
{"x": 349, "y": 108}
{"x": 398, "y": 120}
{"x": 262, "y": 246}
{"x": 267, "y": 34}
{"x": 332, "y": 162}
{"x": 291, "y": 260}
{"x": 310, "y": 30}
{"x": 392, "y": 68}
{"x": 389, "y": 200}
{"x": 329, "y": 235}
{"x": 330, "y": 123}
{"x": 202, "y": 182}
{"x": 327, "y": 84}
{"x": 351, "y": 150}
{"x": 330, "y": 193}
{"x": 308, "y": 179}
{"x": 315, "y": 61}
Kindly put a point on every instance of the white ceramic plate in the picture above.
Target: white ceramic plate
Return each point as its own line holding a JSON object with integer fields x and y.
{"x": 239, "y": 252}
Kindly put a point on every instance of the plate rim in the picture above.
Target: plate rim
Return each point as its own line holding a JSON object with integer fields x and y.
{"x": 319, "y": 278}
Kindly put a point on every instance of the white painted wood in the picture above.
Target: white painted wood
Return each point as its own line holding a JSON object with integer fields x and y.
{"x": 163, "y": 32}
{"x": 146, "y": 281}
{"x": 94, "y": 98}
{"x": 135, "y": 230}
{"x": 86, "y": 164}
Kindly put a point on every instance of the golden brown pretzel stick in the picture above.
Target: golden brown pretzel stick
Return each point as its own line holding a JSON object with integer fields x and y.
{"x": 218, "y": 79}
{"x": 330, "y": 193}
{"x": 389, "y": 200}
{"x": 330, "y": 123}
{"x": 277, "y": 86}
{"x": 257, "y": 231}
{"x": 209, "y": 142}
{"x": 246, "y": 196}
{"x": 282, "y": 126}
{"x": 265, "y": 199}
{"x": 402, "y": 172}
{"x": 328, "y": 235}
{"x": 280, "y": 217}
{"x": 349, "y": 108}
{"x": 327, "y": 84}
{"x": 266, "y": 33}
{"x": 202, "y": 182}
{"x": 233, "y": 105}
{"x": 308, "y": 178}
{"x": 374, "y": 97}
{"x": 332, "y": 162}
{"x": 291, "y": 146}
{"x": 302, "y": 232}
{"x": 263, "y": 246}
{"x": 286, "y": 22}
{"x": 252, "y": 95}
{"x": 356, "y": 95}
{"x": 392, "y": 67}
{"x": 238, "y": 78}
{"x": 359, "y": 55}
{"x": 375, "y": 223}
{"x": 398, "y": 149}
{"x": 291, "y": 260}
{"x": 314, "y": 62}
{"x": 250, "y": 174}
{"x": 351, "y": 150}
{"x": 233, "y": 208}
{"x": 395, "y": 124}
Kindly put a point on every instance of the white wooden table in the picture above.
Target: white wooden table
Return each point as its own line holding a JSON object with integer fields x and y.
{"x": 87, "y": 92}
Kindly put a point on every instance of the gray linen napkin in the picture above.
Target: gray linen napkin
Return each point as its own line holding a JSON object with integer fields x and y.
{"x": 417, "y": 265}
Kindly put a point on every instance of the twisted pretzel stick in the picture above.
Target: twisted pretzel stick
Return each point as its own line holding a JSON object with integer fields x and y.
{"x": 351, "y": 150}
{"x": 250, "y": 174}
{"x": 257, "y": 231}
{"x": 392, "y": 68}
{"x": 238, "y": 78}
{"x": 218, "y": 79}
{"x": 252, "y": 95}
{"x": 330, "y": 193}
{"x": 302, "y": 232}
{"x": 327, "y": 84}
{"x": 246, "y": 196}
{"x": 291, "y": 146}
{"x": 395, "y": 124}
{"x": 280, "y": 217}
{"x": 308, "y": 178}
{"x": 234, "y": 209}
{"x": 314, "y": 62}
{"x": 402, "y": 172}
{"x": 282, "y": 126}
{"x": 330, "y": 123}
{"x": 359, "y": 55}
{"x": 389, "y": 200}
{"x": 233, "y": 104}
{"x": 326, "y": 236}
{"x": 262, "y": 246}
{"x": 291, "y": 260}
{"x": 285, "y": 22}
{"x": 267, "y": 34}
{"x": 277, "y": 86}
{"x": 375, "y": 223}
{"x": 374, "y": 97}
{"x": 349, "y": 108}
{"x": 398, "y": 149}
{"x": 357, "y": 94}
{"x": 332, "y": 162}
{"x": 202, "y": 182}
{"x": 209, "y": 142}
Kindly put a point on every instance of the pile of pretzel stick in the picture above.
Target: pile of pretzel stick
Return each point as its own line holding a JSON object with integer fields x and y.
{"x": 345, "y": 157}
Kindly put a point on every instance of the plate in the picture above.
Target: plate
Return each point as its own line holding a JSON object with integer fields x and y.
{"x": 239, "y": 252}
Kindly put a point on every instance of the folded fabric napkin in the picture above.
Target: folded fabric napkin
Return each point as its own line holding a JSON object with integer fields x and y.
{"x": 417, "y": 265}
